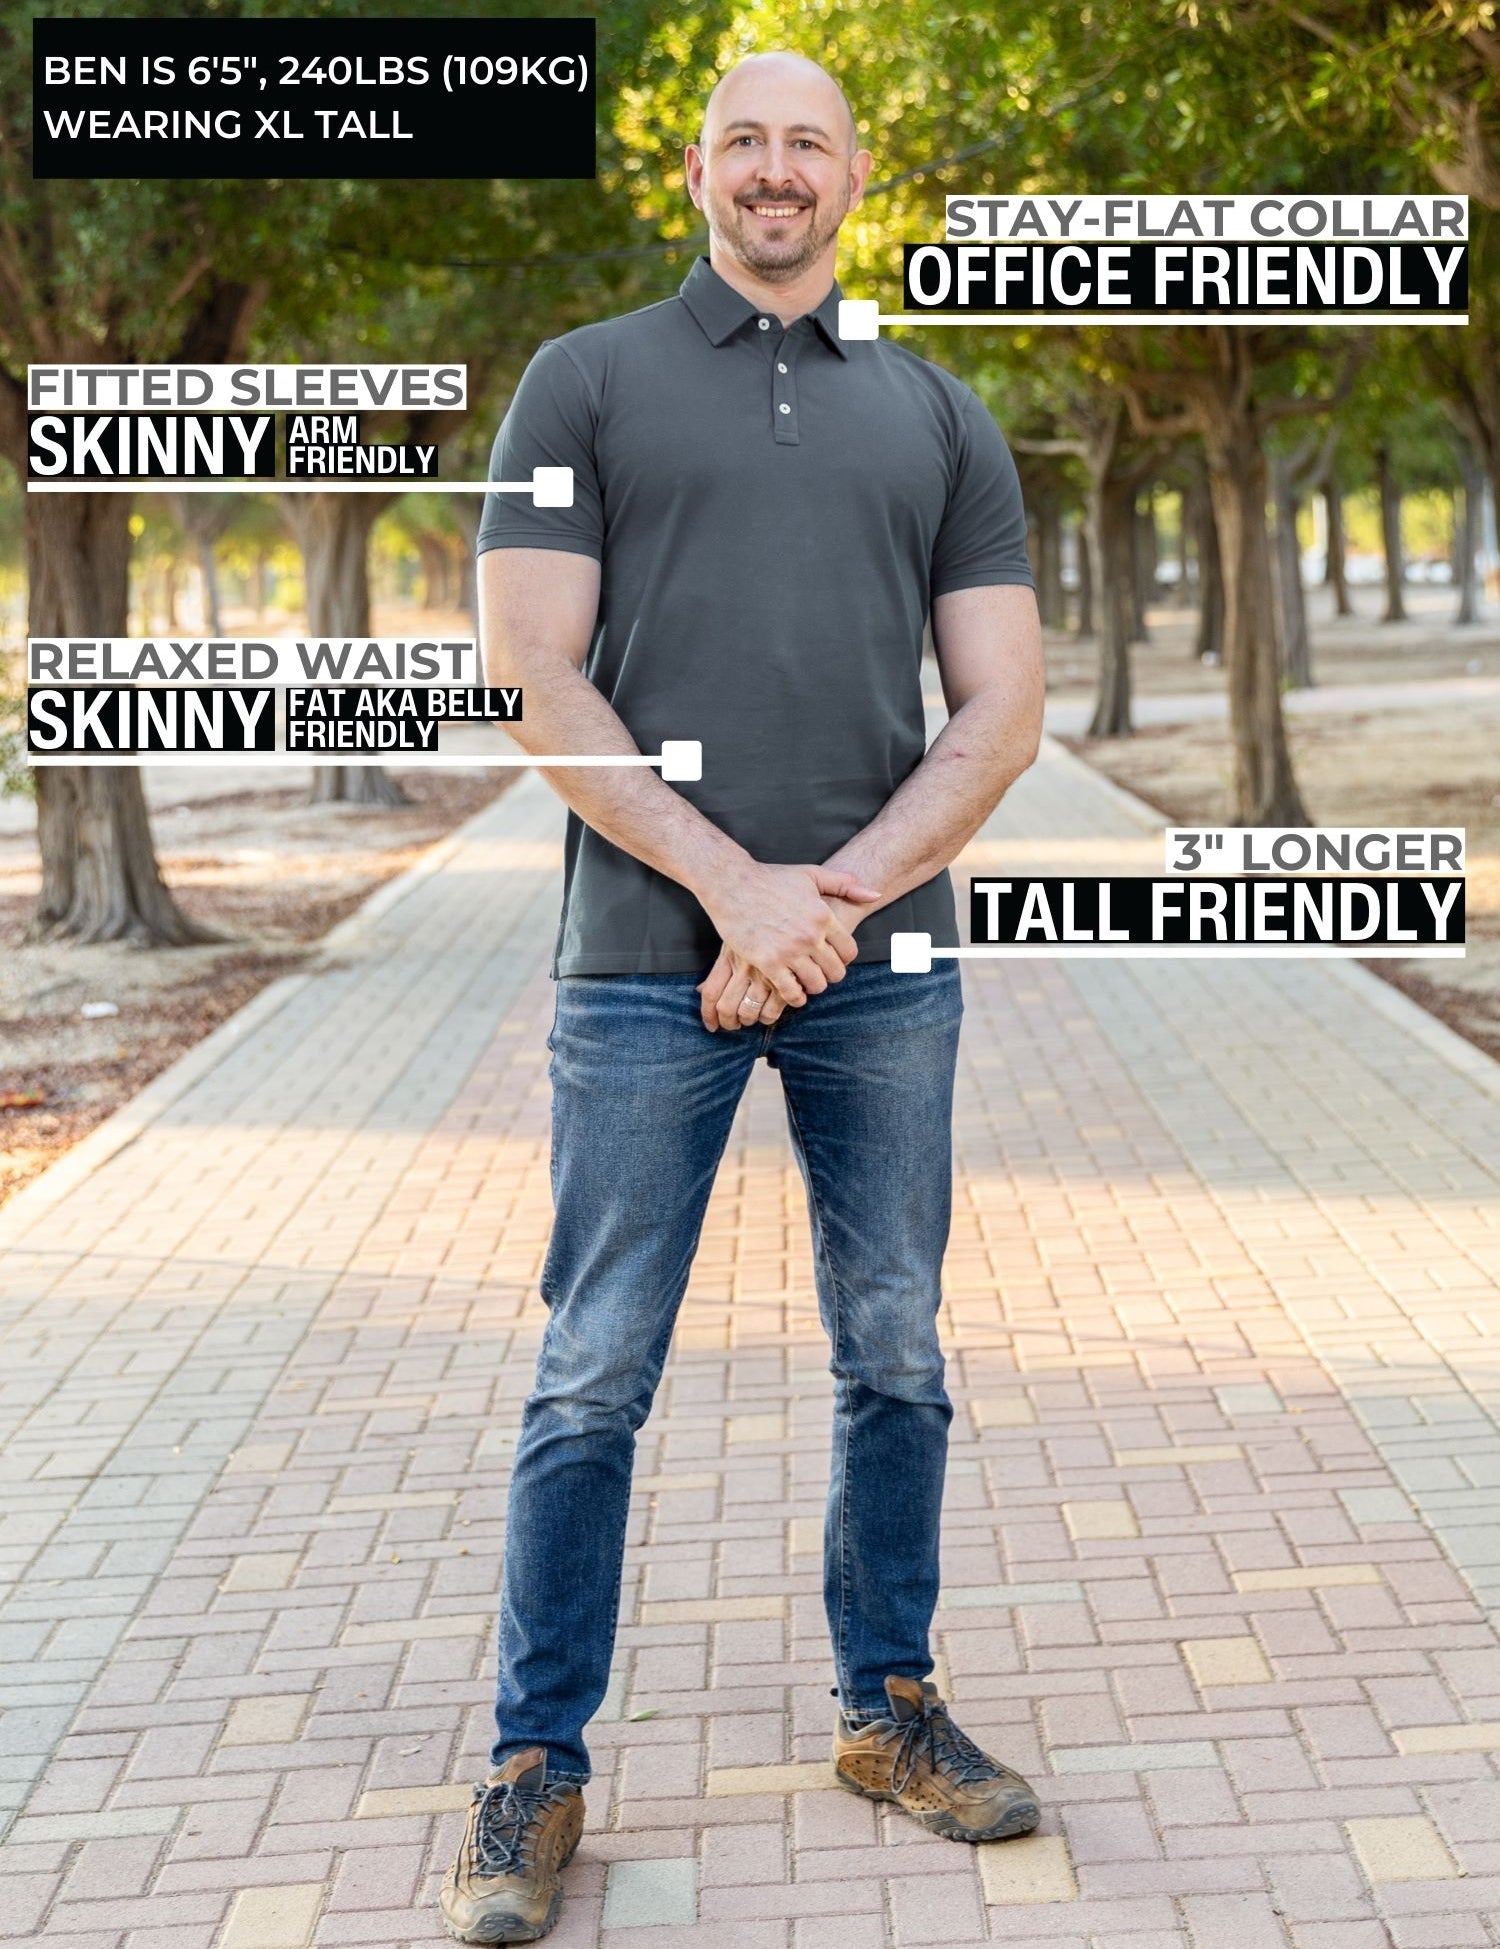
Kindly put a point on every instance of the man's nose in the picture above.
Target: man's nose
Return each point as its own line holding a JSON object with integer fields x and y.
{"x": 776, "y": 167}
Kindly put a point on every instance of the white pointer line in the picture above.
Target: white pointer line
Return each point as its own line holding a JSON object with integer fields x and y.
{"x": 680, "y": 759}
{"x": 1208, "y": 951}
{"x": 396, "y": 759}
{"x": 1166, "y": 318}
{"x": 330, "y": 486}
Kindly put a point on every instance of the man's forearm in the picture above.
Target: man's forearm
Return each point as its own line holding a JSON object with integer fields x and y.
{"x": 931, "y": 817}
{"x": 540, "y": 611}
{"x": 629, "y": 805}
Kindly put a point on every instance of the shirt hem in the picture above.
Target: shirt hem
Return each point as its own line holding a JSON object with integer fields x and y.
{"x": 984, "y": 579}
{"x": 615, "y": 964}
{"x": 531, "y": 538}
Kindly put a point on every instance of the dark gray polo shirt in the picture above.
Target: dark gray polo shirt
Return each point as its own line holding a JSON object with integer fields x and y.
{"x": 774, "y": 511}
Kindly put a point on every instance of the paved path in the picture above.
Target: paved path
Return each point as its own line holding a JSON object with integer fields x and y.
{"x": 1223, "y": 1311}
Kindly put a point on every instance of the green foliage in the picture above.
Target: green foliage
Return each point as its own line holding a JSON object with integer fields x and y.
{"x": 1182, "y": 95}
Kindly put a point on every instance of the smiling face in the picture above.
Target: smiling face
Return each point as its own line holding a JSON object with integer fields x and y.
{"x": 778, "y": 166}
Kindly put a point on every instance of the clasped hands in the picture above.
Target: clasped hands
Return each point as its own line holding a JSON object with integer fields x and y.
{"x": 787, "y": 933}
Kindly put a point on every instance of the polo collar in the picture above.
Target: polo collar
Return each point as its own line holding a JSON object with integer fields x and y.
{"x": 721, "y": 311}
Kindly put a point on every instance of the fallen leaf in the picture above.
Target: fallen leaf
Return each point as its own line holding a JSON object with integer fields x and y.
{"x": 21, "y": 1099}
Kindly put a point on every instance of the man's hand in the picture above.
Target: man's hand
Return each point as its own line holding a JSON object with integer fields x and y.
{"x": 739, "y": 994}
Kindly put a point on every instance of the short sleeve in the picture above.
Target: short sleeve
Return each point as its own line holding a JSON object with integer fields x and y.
{"x": 982, "y": 539}
{"x": 549, "y": 423}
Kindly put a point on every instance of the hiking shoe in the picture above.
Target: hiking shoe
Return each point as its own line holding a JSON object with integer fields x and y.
{"x": 919, "y": 1759}
{"x": 506, "y": 1884}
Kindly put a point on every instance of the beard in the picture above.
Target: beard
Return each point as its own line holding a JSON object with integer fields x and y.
{"x": 774, "y": 252}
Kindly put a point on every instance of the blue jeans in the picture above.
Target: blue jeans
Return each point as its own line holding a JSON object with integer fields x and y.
{"x": 643, "y": 1100}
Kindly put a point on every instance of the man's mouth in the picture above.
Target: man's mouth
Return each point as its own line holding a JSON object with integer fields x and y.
{"x": 776, "y": 212}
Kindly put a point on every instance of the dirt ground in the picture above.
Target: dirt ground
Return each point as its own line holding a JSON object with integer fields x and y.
{"x": 1434, "y": 765}
{"x": 262, "y": 867}
{"x": 1356, "y": 649}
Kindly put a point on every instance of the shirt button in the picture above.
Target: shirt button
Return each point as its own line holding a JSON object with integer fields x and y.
{"x": 785, "y": 409}
{"x": 780, "y": 367}
{"x": 764, "y": 323}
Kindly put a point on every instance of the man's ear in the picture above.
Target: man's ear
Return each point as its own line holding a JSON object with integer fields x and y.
{"x": 859, "y": 174}
{"x": 692, "y": 163}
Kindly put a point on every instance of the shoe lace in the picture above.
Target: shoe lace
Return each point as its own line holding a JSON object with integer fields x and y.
{"x": 507, "y": 1826}
{"x": 930, "y": 1733}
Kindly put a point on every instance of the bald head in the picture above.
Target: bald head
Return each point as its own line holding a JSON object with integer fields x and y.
{"x": 776, "y": 170}
{"x": 780, "y": 79}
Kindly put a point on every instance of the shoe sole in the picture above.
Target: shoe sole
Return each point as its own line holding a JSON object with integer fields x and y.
{"x": 527, "y": 1933}
{"x": 1020, "y": 1819}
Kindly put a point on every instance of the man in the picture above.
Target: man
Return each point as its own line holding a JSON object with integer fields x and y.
{"x": 763, "y": 520}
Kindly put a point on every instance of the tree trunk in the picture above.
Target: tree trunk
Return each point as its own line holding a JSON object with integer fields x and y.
{"x": 1466, "y": 542}
{"x": 1390, "y": 532}
{"x": 1141, "y": 567}
{"x": 100, "y": 880}
{"x": 436, "y": 565}
{"x": 1208, "y": 646}
{"x": 169, "y": 592}
{"x": 1084, "y": 623}
{"x": 1335, "y": 571}
{"x": 1051, "y": 603}
{"x": 1296, "y": 651}
{"x": 333, "y": 532}
{"x": 1111, "y": 539}
{"x": 467, "y": 509}
{"x": 208, "y": 568}
{"x": 1265, "y": 790}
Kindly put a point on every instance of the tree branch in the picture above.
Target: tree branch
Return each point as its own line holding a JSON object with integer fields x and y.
{"x": 1169, "y": 426}
{"x": 1075, "y": 449}
{"x": 1293, "y": 408}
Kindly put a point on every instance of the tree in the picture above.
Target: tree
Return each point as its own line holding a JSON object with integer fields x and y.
{"x": 100, "y": 880}
{"x": 1389, "y": 490}
{"x": 1335, "y": 572}
{"x": 1406, "y": 79}
{"x": 1467, "y": 537}
{"x": 430, "y": 524}
{"x": 1101, "y": 441}
{"x": 1210, "y": 373}
{"x": 1423, "y": 78}
{"x": 120, "y": 273}
{"x": 204, "y": 518}
{"x": 1198, "y": 515}
{"x": 154, "y": 272}
{"x": 1295, "y": 475}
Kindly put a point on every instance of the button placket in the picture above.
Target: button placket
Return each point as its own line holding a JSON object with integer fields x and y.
{"x": 784, "y": 394}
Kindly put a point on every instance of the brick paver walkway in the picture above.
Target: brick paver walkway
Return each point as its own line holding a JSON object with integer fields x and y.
{"x": 1222, "y": 1315}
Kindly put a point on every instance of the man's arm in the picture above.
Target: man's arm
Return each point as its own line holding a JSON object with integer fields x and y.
{"x": 989, "y": 651}
{"x": 539, "y": 608}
